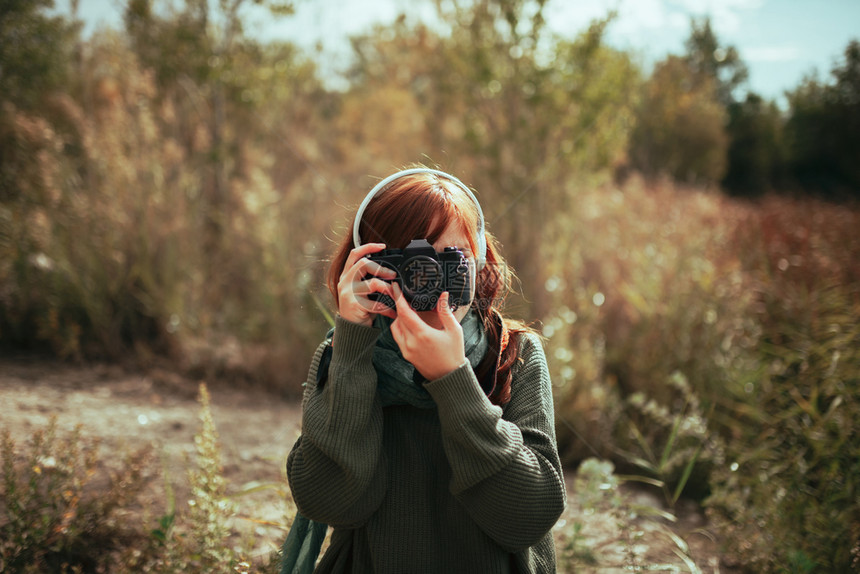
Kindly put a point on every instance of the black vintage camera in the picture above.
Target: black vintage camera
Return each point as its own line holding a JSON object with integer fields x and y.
{"x": 424, "y": 274}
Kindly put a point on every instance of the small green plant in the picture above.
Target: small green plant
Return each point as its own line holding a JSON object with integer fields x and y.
{"x": 199, "y": 540}
{"x": 204, "y": 536}
{"x": 210, "y": 508}
{"x": 614, "y": 531}
{"x": 58, "y": 510}
{"x": 683, "y": 436}
{"x": 577, "y": 551}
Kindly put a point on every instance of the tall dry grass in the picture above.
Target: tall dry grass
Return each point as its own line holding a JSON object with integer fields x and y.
{"x": 712, "y": 345}
{"x": 707, "y": 342}
{"x": 103, "y": 250}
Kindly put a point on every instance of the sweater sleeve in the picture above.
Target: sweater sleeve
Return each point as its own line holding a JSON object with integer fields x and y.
{"x": 506, "y": 468}
{"x": 336, "y": 468}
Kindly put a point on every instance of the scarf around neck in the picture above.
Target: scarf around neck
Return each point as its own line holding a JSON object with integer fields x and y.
{"x": 398, "y": 382}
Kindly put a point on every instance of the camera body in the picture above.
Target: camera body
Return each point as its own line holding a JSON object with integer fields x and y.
{"x": 424, "y": 274}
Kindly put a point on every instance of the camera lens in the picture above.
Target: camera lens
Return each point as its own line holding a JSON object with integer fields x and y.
{"x": 421, "y": 275}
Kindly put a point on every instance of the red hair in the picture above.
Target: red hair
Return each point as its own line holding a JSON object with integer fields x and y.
{"x": 424, "y": 205}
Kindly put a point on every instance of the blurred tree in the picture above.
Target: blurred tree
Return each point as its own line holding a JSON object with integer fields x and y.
{"x": 174, "y": 45}
{"x": 756, "y": 154}
{"x": 386, "y": 117}
{"x": 680, "y": 130}
{"x": 35, "y": 51}
{"x": 204, "y": 65}
{"x": 807, "y": 132}
{"x": 517, "y": 113}
{"x": 711, "y": 62}
{"x": 162, "y": 189}
{"x": 755, "y": 157}
{"x": 845, "y": 101}
{"x": 188, "y": 51}
{"x": 494, "y": 102}
{"x": 824, "y": 120}
{"x": 689, "y": 116}
{"x": 36, "y": 56}
{"x": 35, "y": 62}
{"x": 597, "y": 89}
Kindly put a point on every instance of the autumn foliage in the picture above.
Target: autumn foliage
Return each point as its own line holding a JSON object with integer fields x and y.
{"x": 170, "y": 192}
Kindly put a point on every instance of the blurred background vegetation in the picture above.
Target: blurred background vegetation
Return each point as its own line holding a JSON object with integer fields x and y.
{"x": 170, "y": 191}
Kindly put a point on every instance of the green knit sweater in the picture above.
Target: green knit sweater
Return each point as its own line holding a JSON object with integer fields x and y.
{"x": 467, "y": 487}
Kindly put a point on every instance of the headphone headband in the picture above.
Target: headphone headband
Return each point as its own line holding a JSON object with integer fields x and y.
{"x": 481, "y": 256}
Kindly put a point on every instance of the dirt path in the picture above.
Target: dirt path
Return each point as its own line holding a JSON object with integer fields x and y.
{"x": 128, "y": 410}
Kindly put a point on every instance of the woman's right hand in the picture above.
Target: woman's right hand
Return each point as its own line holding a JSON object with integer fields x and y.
{"x": 352, "y": 290}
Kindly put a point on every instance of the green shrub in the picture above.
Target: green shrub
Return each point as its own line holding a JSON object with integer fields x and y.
{"x": 755, "y": 306}
{"x": 788, "y": 499}
{"x": 791, "y": 492}
{"x": 611, "y": 529}
{"x": 60, "y": 510}
{"x": 198, "y": 538}
{"x": 645, "y": 286}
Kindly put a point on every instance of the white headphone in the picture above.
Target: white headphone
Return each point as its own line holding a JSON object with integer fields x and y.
{"x": 481, "y": 256}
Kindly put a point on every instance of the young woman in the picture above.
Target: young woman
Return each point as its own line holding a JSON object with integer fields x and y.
{"x": 428, "y": 439}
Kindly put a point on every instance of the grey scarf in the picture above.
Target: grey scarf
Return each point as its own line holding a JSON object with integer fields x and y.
{"x": 398, "y": 383}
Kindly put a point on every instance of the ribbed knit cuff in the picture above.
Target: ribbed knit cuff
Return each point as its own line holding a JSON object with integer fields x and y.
{"x": 354, "y": 340}
{"x": 478, "y": 442}
{"x": 458, "y": 393}
{"x": 351, "y": 387}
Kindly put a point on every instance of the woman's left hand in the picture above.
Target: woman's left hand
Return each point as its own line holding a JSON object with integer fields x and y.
{"x": 434, "y": 352}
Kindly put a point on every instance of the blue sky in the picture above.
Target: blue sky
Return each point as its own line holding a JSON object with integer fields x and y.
{"x": 780, "y": 40}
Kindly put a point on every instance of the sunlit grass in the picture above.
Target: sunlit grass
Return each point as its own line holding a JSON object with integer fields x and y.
{"x": 755, "y": 307}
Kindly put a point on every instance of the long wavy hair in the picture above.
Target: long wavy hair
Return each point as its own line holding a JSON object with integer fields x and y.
{"x": 423, "y": 205}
